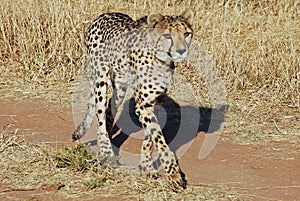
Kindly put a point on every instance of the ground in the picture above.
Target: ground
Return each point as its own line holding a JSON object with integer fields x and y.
{"x": 258, "y": 171}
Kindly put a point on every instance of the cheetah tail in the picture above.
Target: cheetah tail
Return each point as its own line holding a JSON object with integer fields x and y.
{"x": 88, "y": 120}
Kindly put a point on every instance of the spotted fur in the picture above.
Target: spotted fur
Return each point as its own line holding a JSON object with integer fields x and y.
{"x": 140, "y": 55}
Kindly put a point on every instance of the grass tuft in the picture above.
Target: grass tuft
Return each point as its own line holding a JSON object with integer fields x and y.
{"x": 78, "y": 158}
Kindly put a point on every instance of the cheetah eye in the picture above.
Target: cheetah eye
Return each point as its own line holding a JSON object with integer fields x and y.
{"x": 187, "y": 34}
{"x": 167, "y": 36}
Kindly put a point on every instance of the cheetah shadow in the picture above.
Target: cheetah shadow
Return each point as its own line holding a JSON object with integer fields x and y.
{"x": 180, "y": 124}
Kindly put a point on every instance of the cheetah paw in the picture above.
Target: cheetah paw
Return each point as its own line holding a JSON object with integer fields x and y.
{"x": 176, "y": 181}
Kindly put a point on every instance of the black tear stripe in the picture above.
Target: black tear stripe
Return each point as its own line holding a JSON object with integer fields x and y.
{"x": 169, "y": 52}
{"x": 157, "y": 42}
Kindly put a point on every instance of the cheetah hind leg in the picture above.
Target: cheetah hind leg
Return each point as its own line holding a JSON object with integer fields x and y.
{"x": 101, "y": 104}
{"x": 115, "y": 104}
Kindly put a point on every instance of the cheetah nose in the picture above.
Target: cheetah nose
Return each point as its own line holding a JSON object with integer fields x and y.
{"x": 181, "y": 51}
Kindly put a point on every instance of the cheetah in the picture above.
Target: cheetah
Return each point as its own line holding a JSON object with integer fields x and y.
{"x": 137, "y": 54}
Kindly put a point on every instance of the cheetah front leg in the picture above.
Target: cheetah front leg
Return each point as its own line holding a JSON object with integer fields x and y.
{"x": 153, "y": 136}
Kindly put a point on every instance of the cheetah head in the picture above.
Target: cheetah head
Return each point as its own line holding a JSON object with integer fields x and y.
{"x": 172, "y": 35}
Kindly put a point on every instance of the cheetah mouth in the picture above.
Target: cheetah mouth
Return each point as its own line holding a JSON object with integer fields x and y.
{"x": 178, "y": 59}
{"x": 171, "y": 56}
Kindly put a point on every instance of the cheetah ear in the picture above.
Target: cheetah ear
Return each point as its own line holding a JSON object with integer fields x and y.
{"x": 153, "y": 19}
{"x": 188, "y": 15}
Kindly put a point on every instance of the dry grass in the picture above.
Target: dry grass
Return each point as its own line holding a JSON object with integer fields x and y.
{"x": 75, "y": 173}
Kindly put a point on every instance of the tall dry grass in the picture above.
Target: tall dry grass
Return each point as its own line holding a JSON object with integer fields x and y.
{"x": 255, "y": 45}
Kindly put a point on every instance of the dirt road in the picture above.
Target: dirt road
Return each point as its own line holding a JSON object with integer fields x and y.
{"x": 266, "y": 172}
